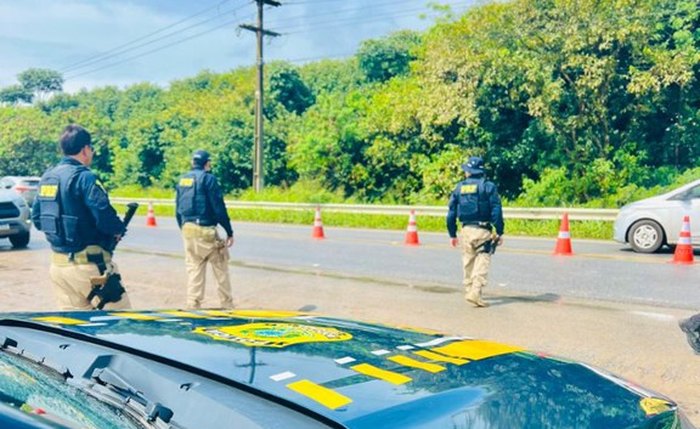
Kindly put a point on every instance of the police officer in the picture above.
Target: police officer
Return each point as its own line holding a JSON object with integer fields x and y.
{"x": 476, "y": 204}
{"x": 199, "y": 208}
{"x": 73, "y": 211}
{"x": 691, "y": 327}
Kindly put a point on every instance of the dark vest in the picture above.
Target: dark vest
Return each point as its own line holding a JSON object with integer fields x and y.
{"x": 65, "y": 220}
{"x": 192, "y": 199}
{"x": 473, "y": 201}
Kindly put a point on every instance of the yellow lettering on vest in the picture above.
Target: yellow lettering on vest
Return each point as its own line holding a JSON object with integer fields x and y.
{"x": 468, "y": 189}
{"x": 186, "y": 181}
{"x": 48, "y": 191}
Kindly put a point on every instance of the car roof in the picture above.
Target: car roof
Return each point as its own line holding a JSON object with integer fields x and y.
{"x": 367, "y": 375}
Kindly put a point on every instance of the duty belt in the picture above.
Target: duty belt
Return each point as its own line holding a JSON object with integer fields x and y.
{"x": 478, "y": 224}
{"x": 81, "y": 257}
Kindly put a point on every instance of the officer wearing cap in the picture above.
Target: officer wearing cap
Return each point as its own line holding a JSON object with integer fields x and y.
{"x": 199, "y": 208}
{"x": 73, "y": 211}
{"x": 475, "y": 203}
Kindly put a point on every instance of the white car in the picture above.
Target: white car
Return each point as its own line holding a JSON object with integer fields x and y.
{"x": 26, "y": 186}
{"x": 653, "y": 222}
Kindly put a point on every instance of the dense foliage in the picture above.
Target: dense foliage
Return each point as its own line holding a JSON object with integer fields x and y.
{"x": 570, "y": 102}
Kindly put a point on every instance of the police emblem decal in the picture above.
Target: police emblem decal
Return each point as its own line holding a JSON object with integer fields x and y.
{"x": 273, "y": 334}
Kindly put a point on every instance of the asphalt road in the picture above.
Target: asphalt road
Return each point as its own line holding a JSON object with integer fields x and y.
{"x": 598, "y": 270}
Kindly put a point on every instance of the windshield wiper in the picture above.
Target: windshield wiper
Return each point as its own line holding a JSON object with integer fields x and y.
{"x": 109, "y": 387}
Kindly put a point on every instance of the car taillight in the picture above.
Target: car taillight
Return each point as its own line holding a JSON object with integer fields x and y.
{"x": 20, "y": 188}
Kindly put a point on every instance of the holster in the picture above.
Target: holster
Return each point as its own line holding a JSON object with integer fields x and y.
{"x": 108, "y": 286}
{"x": 488, "y": 246}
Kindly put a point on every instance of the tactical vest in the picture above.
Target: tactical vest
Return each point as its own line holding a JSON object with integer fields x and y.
{"x": 192, "y": 198}
{"x": 64, "y": 219}
{"x": 473, "y": 201}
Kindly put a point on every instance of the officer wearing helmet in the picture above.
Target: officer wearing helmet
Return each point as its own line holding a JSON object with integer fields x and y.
{"x": 73, "y": 211}
{"x": 199, "y": 209}
{"x": 475, "y": 203}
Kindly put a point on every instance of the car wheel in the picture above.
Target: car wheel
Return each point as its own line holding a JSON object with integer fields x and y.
{"x": 20, "y": 241}
{"x": 645, "y": 236}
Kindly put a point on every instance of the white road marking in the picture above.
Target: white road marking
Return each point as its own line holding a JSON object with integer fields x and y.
{"x": 656, "y": 316}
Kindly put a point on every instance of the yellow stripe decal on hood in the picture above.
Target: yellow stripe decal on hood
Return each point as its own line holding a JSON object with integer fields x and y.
{"x": 413, "y": 363}
{"x": 60, "y": 320}
{"x": 382, "y": 374}
{"x": 135, "y": 316}
{"x": 324, "y": 396}
{"x": 181, "y": 313}
{"x": 652, "y": 406}
{"x": 440, "y": 358}
{"x": 476, "y": 349}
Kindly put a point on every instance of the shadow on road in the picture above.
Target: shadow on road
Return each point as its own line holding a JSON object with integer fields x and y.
{"x": 505, "y": 300}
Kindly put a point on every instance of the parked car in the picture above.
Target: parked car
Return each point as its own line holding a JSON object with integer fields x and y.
{"x": 15, "y": 222}
{"x": 653, "y": 222}
{"x": 26, "y": 186}
{"x": 265, "y": 369}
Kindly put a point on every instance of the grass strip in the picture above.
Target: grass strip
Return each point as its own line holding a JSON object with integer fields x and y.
{"x": 522, "y": 227}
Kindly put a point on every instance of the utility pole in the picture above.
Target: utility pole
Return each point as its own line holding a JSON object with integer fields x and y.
{"x": 258, "y": 171}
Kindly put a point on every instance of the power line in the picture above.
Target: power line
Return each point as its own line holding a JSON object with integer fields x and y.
{"x": 138, "y": 39}
{"x": 150, "y": 42}
{"x": 353, "y": 20}
{"x": 340, "y": 22}
{"x": 337, "y": 11}
{"x": 160, "y": 48}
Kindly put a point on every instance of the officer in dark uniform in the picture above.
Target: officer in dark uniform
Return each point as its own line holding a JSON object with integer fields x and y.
{"x": 691, "y": 327}
{"x": 199, "y": 208}
{"x": 476, "y": 204}
{"x": 73, "y": 211}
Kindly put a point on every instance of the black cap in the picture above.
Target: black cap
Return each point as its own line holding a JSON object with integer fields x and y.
{"x": 475, "y": 165}
{"x": 200, "y": 157}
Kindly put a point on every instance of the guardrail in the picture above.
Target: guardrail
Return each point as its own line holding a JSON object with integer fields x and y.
{"x": 440, "y": 211}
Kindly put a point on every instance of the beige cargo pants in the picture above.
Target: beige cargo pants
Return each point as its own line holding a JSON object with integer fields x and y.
{"x": 71, "y": 280}
{"x": 202, "y": 245}
{"x": 475, "y": 262}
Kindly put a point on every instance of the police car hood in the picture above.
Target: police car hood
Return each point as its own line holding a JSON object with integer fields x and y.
{"x": 369, "y": 376}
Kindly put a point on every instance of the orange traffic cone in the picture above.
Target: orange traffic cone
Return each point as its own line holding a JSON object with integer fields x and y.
{"x": 150, "y": 217}
{"x": 412, "y": 230}
{"x": 317, "y": 232}
{"x": 563, "y": 246}
{"x": 684, "y": 250}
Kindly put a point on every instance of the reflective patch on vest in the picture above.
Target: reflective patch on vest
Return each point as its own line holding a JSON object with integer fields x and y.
{"x": 187, "y": 182}
{"x": 468, "y": 189}
{"x": 48, "y": 191}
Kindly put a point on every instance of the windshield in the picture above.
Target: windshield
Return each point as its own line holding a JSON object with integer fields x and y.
{"x": 36, "y": 390}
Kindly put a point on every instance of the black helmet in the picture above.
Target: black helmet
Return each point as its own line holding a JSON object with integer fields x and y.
{"x": 475, "y": 165}
{"x": 200, "y": 157}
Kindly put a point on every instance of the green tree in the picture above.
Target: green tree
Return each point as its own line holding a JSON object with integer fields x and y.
{"x": 287, "y": 88}
{"x": 15, "y": 94}
{"x": 41, "y": 82}
{"x": 382, "y": 59}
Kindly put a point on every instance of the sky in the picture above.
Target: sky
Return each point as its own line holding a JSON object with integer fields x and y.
{"x": 96, "y": 43}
